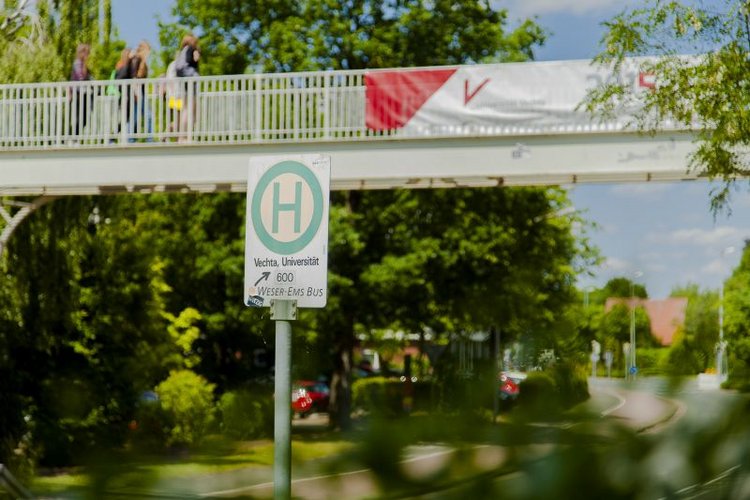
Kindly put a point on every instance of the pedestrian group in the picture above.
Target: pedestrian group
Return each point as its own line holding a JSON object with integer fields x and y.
{"x": 131, "y": 99}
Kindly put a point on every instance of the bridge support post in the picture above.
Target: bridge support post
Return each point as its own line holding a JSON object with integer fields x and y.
{"x": 12, "y": 222}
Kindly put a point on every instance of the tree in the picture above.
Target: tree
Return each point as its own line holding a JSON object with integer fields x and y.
{"x": 38, "y": 40}
{"x": 284, "y": 35}
{"x": 705, "y": 91}
{"x": 614, "y": 329}
{"x": 25, "y": 47}
{"x": 406, "y": 274}
{"x": 71, "y": 22}
{"x": 695, "y": 345}
{"x": 624, "y": 287}
{"x": 737, "y": 320}
{"x": 307, "y": 35}
{"x": 87, "y": 291}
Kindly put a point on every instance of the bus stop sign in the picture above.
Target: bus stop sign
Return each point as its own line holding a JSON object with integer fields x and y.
{"x": 286, "y": 237}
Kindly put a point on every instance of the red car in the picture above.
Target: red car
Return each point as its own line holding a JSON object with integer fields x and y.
{"x": 509, "y": 384}
{"x": 309, "y": 396}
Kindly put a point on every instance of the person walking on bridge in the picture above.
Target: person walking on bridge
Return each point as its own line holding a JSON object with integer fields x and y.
{"x": 139, "y": 69}
{"x": 80, "y": 95}
{"x": 186, "y": 65}
{"x": 121, "y": 89}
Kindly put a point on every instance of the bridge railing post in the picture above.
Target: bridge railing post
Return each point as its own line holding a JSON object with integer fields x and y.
{"x": 326, "y": 106}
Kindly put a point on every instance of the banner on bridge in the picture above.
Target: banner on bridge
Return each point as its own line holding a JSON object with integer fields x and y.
{"x": 536, "y": 95}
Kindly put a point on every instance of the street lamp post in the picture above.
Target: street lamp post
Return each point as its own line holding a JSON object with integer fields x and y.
{"x": 632, "y": 367}
{"x": 586, "y": 292}
{"x": 722, "y": 345}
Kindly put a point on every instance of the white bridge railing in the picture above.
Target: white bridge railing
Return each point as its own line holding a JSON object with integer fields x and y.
{"x": 263, "y": 108}
{"x": 225, "y": 109}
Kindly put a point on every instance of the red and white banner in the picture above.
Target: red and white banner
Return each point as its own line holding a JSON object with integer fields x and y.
{"x": 541, "y": 95}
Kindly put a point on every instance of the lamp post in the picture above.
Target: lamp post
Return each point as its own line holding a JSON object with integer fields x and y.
{"x": 632, "y": 367}
{"x": 586, "y": 292}
{"x": 721, "y": 346}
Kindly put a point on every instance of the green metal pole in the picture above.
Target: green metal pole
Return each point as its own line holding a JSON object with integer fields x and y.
{"x": 282, "y": 311}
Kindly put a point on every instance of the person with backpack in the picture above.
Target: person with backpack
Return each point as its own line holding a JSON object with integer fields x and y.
{"x": 120, "y": 89}
{"x": 186, "y": 65}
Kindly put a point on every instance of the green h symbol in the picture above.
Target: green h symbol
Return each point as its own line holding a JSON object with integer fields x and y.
{"x": 295, "y": 207}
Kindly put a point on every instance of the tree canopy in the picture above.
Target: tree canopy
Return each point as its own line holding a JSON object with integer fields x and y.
{"x": 286, "y": 35}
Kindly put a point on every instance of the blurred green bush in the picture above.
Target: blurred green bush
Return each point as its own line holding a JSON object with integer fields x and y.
{"x": 546, "y": 394}
{"x": 246, "y": 413}
{"x": 390, "y": 397}
{"x": 187, "y": 401}
{"x": 654, "y": 361}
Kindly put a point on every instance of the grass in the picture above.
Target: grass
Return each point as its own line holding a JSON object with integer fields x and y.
{"x": 129, "y": 470}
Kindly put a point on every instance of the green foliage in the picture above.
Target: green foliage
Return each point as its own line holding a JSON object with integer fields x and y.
{"x": 500, "y": 272}
{"x": 247, "y": 414}
{"x": 183, "y": 332}
{"x": 683, "y": 358}
{"x": 38, "y": 44}
{"x": 546, "y": 394}
{"x": 653, "y": 361}
{"x": 188, "y": 403}
{"x": 614, "y": 328}
{"x": 378, "y": 395}
{"x": 623, "y": 287}
{"x": 309, "y": 35}
{"x": 737, "y": 321}
{"x": 707, "y": 92}
{"x": 81, "y": 352}
{"x": 693, "y": 349}
{"x": 538, "y": 397}
{"x": 571, "y": 383}
{"x": 150, "y": 427}
{"x": 30, "y": 62}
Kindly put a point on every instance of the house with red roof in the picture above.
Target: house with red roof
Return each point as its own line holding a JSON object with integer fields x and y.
{"x": 666, "y": 315}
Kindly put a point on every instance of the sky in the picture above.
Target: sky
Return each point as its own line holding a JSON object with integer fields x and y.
{"x": 663, "y": 233}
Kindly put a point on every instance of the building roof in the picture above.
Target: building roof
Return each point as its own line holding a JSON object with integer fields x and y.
{"x": 666, "y": 315}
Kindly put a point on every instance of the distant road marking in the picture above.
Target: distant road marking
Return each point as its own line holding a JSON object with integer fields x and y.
{"x": 721, "y": 476}
{"x": 316, "y": 478}
{"x": 616, "y": 395}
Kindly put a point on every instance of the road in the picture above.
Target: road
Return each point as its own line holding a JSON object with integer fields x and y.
{"x": 699, "y": 428}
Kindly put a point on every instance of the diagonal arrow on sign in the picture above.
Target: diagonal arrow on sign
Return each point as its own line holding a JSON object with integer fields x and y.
{"x": 264, "y": 276}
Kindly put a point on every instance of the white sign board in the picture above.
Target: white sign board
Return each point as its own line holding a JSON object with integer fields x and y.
{"x": 286, "y": 242}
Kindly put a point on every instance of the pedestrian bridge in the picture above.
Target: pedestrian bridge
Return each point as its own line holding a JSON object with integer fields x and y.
{"x": 479, "y": 125}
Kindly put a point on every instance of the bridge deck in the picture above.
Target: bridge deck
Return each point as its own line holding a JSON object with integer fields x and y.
{"x": 482, "y": 125}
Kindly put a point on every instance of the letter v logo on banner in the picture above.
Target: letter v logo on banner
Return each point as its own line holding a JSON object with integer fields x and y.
{"x": 469, "y": 95}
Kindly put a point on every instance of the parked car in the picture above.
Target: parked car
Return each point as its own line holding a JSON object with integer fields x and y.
{"x": 509, "y": 384}
{"x": 309, "y": 396}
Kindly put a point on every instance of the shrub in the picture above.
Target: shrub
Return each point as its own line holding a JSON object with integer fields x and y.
{"x": 546, "y": 394}
{"x": 378, "y": 395}
{"x": 653, "y": 361}
{"x": 571, "y": 382}
{"x": 246, "y": 414}
{"x": 151, "y": 426}
{"x": 538, "y": 396}
{"x": 187, "y": 400}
